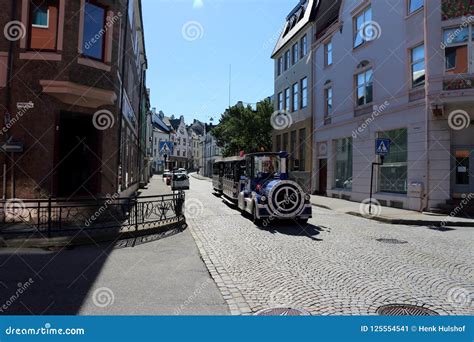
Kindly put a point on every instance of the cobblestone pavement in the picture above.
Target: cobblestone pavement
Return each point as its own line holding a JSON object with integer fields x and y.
{"x": 335, "y": 266}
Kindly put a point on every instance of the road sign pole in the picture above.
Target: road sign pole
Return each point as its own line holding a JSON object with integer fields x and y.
{"x": 372, "y": 182}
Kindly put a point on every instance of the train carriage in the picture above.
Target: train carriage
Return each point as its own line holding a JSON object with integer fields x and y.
{"x": 217, "y": 176}
{"x": 259, "y": 184}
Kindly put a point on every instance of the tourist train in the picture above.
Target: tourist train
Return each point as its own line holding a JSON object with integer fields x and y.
{"x": 259, "y": 184}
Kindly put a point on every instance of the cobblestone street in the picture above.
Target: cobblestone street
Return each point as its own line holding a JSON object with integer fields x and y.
{"x": 337, "y": 265}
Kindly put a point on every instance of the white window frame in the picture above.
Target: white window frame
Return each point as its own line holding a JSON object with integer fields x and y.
{"x": 296, "y": 96}
{"x": 42, "y": 26}
{"x": 304, "y": 46}
{"x": 413, "y": 62}
{"x": 287, "y": 99}
{"x": 304, "y": 93}
{"x": 469, "y": 44}
{"x": 362, "y": 13}
{"x": 328, "y": 52}
{"x": 295, "y": 53}
{"x": 415, "y": 10}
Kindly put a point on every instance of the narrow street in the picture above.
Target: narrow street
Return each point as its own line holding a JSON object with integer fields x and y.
{"x": 336, "y": 265}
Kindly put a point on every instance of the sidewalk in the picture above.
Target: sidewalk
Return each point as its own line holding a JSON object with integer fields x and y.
{"x": 391, "y": 215}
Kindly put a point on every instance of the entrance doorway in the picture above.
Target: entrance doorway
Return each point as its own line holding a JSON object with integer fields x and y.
{"x": 323, "y": 177}
{"x": 464, "y": 170}
{"x": 79, "y": 156}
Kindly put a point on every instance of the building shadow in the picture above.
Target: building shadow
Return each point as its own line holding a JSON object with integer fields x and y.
{"x": 292, "y": 228}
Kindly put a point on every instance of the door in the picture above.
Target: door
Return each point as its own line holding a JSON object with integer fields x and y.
{"x": 464, "y": 170}
{"x": 323, "y": 176}
{"x": 79, "y": 163}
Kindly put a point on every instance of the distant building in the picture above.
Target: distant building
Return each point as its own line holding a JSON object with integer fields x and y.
{"x": 180, "y": 138}
{"x": 210, "y": 151}
{"x": 196, "y": 132}
{"x": 161, "y": 135}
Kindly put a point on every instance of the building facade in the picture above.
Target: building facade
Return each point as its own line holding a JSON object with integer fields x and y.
{"x": 210, "y": 151}
{"x": 180, "y": 139}
{"x": 403, "y": 75}
{"x": 293, "y": 101}
{"x": 70, "y": 97}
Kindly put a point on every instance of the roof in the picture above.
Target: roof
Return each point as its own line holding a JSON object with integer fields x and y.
{"x": 299, "y": 16}
{"x": 159, "y": 124}
{"x": 328, "y": 13}
{"x": 175, "y": 123}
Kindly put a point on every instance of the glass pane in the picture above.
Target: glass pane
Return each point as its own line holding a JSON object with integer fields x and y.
{"x": 360, "y": 96}
{"x": 415, "y": 5}
{"x": 343, "y": 167}
{"x": 393, "y": 178}
{"x": 462, "y": 167}
{"x": 369, "y": 93}
{"x": 94, "y": 20}
{"x": 418, "y": 53}
{"x": 418, "y": 72}
{"x": 40, "y": 16}
{"x": 368, "y": 14}
{"x": 368, "y": 76}
{"x": 455, "y": 36}
{"x": 360, "y": 79}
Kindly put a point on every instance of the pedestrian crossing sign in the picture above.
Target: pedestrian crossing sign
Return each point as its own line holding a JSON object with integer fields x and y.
{"x": 382, "y": 147}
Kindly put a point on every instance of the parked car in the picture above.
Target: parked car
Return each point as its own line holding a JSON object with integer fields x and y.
{"x": 180, "y": 181}
{"x": 181, "y": 170}
{"x": 167, "y": 177}
{"x": 166, "y": 173}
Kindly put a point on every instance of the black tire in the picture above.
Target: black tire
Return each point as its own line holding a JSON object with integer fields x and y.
{"x": 302, "y": 222}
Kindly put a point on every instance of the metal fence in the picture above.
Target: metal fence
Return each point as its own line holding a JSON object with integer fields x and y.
{"x": 62, "y": 217}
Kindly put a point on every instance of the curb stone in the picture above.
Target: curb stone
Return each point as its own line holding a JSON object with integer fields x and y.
{"x": 415, "y": 222}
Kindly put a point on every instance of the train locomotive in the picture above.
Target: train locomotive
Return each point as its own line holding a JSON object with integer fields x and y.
{"x": 259, "y": 184}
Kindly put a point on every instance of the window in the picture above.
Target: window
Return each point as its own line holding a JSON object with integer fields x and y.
{"x": 295, "y": 97}
{"x": 287, "y": 99}
{"x": 280, "y": 65}
{"x": 364, "y": 87}
{"x": 278, "y": 143}
{"x": 295, "y": 53}
{"x": 94, "y": 23}
{"x": 287, "y": 60}
{"x": 280, "y": 101}
{"x": 418, "y": 66}
{"x": 343, "y": 167}
{"x": 292, "y": 148}
{"x": 302, "y": 146}
{"x": 414, "y": 5}
{"x": 285, "y": 142}
{"x": 328, "y": 54}
{"x": 360, "y": 23}
{"x": 328, "y": 101}
{"x": 43, "y": 24}
{"x": 456, "y": 49}
{"x": 393, "y": 174}
{"x": 304, "y": 46}
{"x": 304, "y": 92}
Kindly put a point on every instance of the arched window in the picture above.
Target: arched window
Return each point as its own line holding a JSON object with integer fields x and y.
{"x": 364, "y": 83}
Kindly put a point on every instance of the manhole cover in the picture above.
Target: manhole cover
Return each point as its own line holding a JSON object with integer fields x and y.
{"x": 392, "y": 241}
{"x": 405, "y": 310}
{"x": 282, "y": 312}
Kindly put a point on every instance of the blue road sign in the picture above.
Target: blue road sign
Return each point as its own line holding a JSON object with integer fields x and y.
{"x": 166, "y": 147}
{"x": 382, "y": 147}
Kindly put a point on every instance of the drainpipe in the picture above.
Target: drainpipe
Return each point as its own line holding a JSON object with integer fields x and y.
{"x": 8, "y": 105}
{"x": 140, "y": 123}
{"x": 122, "y": 76}
{"x": 425, "y": 201}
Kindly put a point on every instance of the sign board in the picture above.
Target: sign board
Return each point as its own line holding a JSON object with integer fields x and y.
{"x": 382, "y": 147}
{"x": 166, "y": 147}
{"x": 25, "y": 105}
{"x": 9, "y": 147}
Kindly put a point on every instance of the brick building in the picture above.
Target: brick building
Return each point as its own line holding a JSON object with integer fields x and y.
{"x": 72, "y": 77}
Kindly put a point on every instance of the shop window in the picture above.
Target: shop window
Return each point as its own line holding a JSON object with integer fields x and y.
{"x": 343, "y": 167}
{"x": 393, "y": 174}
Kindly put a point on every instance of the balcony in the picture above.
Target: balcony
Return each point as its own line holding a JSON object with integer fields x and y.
{"x": 451, "y": 9}
{"x": 458, "y": 82}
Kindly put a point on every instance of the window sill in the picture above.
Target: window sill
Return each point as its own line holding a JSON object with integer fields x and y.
{"x": 364, "y": 109}
{"x": 94, "y": 64}
{"x": 364, "y": 44}
{"x": 41, "y": 56}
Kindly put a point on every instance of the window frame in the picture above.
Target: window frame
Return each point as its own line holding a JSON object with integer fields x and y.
{"x": 280, "y": 101}
{"x": 304, "y": 90}
{"x": 328, "y": 89}
{"x": 104, "y": 37}
{"x": 364, "y": 71}
{"x": 356, "y": 30}
{"x": 469, "y": 44}
{"x": 295, "y": 53}
{"x": 349, "y": 143}
{"x": 387, "y": 163}
{"x": 303, "y": 46}
{"x": 287, "y": 62}
{"x": 47, "y": 19}
{"x": 413, "y": 63}
{"x": 287, "y": 99}
{"x": 295, "y": 95}
{"x": 409, "y": 12}
{"x": 31, "y": 26}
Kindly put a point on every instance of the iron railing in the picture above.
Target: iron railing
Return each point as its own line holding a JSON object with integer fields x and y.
{"x": 62, "y": 217}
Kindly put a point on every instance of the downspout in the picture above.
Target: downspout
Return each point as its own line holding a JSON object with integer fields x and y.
{"x": 8, "y": 105}
{"x": 424, "y": 202}
{"x": 122, "y": 76}
{"x": 140, "y": 123}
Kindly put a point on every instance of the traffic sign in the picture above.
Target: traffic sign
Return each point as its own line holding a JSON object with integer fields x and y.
{"x": 382, "y": 147}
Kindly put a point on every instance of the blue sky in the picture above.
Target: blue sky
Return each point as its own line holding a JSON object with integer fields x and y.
{"x": 191, "y": 43}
